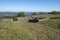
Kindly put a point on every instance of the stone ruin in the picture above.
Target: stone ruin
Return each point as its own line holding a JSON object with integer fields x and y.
{"x": 34, "y": 20}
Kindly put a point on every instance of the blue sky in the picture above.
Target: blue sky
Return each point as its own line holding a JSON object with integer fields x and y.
{"x": 29, "y": 5}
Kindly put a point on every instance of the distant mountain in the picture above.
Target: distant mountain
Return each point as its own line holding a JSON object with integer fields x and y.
{"x": 13, "y": 13}
{"x": 8, "y": 14}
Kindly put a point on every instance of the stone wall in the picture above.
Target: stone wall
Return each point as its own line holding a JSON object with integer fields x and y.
{"x": 6, "y": 19}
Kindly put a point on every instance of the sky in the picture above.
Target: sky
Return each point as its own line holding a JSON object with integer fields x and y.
{"x": 30, "y": 5}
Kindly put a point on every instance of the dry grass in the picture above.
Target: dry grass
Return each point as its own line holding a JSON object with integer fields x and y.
{"x": 23, "y": 30}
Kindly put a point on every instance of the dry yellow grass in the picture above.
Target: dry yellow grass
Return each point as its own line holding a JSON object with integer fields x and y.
{"x": 23, "y": 30}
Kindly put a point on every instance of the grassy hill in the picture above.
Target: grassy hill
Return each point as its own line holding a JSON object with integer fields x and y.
{"x": 23, "y": 30}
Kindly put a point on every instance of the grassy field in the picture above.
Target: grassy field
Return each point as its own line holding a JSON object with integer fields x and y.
{"x": 23, "y": 30}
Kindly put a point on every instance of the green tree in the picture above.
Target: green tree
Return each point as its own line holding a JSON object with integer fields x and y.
{"x": 21, "y": 14}
{"x": 33, "y": 13}
{"x": 55, "y": 12}
{"x": 42, "y": 13}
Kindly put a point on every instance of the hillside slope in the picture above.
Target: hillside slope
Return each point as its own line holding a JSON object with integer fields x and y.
{"x": 23, "y": 30}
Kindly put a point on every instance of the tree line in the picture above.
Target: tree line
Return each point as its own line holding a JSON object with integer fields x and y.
{"x": 22, "y": 14}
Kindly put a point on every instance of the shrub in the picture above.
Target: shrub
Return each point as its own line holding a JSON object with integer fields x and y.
{"x": 33, "y": 13}
{"x": 21, "y": 14}
{"x": 15, "y": 18}
{"x": 54, "y": 12}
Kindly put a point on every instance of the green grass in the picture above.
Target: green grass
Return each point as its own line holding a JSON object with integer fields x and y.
{"x": 23, "y": 30}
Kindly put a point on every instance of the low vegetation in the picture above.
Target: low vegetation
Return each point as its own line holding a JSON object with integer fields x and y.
{"x": 23, "y": 30}
{"x": 21, "y": 14}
